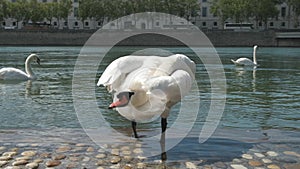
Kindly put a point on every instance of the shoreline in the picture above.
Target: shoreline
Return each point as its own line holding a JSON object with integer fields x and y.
{"x": 217, "y": 38}
{"x": 72, "y": 148}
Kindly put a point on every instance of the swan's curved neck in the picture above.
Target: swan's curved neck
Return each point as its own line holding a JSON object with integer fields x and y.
{"x": 254, "y": 56}
{"x": 28, "y": 69}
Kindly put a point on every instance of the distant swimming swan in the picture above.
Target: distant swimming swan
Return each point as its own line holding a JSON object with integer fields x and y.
{"x": 17, "y": 74}
{"x": 246, "y": 61}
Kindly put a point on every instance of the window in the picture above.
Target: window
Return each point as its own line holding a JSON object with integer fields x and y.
{"x": 76, "y": 23}
{"x": 282, "y": 24}
{"x": 55, "y": 23}
{"x": 204, "y": 24}
{"x": 204, "y": 11}
{"x": 99, "y": 23}
{"x": 66, "y": 23}
{"x": 14, "y": 24}
{"x": 157, "y": 23}
{"x": 271, "y": 24}
{"x": 86, "y": 23}
{"x": 283, "y": 12}
{"x": 215, "y": 23}
{"x": 44, "y": 1}
{"x": 260, "y": 24}
{"x": 3, "y": 23}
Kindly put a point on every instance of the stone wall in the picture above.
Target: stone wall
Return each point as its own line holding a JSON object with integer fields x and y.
{"x": 78, "y": 38}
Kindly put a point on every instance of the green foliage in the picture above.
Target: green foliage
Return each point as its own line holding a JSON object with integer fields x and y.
{"x": 242, "y": 10}
{"x": 108, "y": 9}
{"x": 33, "y": 10}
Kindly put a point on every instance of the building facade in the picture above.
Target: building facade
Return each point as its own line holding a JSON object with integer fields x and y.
{"x": 205, "y": 21}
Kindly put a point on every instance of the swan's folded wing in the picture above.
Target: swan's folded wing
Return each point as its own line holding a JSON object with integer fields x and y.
{"x": 174, "y": 87}
{"x": 117, "y": 70}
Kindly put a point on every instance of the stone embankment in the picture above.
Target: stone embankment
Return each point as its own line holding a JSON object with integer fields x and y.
{"x": 78, "y": 38}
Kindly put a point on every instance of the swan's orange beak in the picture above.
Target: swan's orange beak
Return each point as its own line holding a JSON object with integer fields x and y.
{"x": 123, "y": 101}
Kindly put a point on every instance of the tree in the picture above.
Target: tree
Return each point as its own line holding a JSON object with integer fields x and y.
{"x": 238, "y": 10}
{"x": 296, "y": 9}
{"x": 62, "y": 10}
{"x": 265, "y": 9}
{"x": 20, "y": 10}
{"x": 4, "y": 9}
{"x": 51, "y": 9}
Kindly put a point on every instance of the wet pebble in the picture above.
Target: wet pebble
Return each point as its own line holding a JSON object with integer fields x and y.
{"x": 259, "y": 155}
{"x": 14, "y": 149}
{"x": 273, "y": 166}
{"x": 29, "y": 153}
{"x": 12, "y": 167}
{"x": 101, "y": 156}
{"x": 247, "y": 156}
{"x": 292, "y": 166}
{"x": 3, "y": 163}
{"x": 53, "y": 163}
{"x": 22, "y": 145}
{"x": 63, "y": 149}
{"x": 32, "y": 165}
{"x": 238, "y": 166}
{"x": 140, "y": 165}
{"x": 190, "y": 165}
{"x": 137, "y": 151}
{"x": 86, "y": 159}
{"x": 266, "y": 161}
{"x": 272, "y": 153}
{"x": 19, "y": 162}
{"x": 23, "y": 158}
{"x": 90, "y": 149}
{"x": 81, "y": 145}
{"x": 59, "y": 157}
{"x": 75, "y": 159}
{"x": 38, "y": 160}
{"x": 128, "y": 166}
{"x": 116, "y": 166}
{"x": 236, "y": 160}
{"x": 255, "y": 163}
{"x": 5, "y": 158}
{"x": 71, "y": 165}
{"x": 45, "y": 155}
{"x": 292, "y": 153}
{"x": 127, "y": 158}
{"x": 100, "y": 162}
{"x": 2, "y": 148}
{"x": 10, "y": 153}
{"x": 115, "y": 159}
{"x": 126, "y": 152}
{"x": 115, "y": 151}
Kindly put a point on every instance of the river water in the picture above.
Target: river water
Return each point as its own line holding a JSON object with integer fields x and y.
{"x": 265, "y": 98}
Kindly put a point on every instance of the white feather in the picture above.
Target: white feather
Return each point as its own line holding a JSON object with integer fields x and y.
{"x": 158, "y": 83}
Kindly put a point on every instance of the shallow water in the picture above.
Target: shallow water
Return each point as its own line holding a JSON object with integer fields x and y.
{"x": 267, "y": 97}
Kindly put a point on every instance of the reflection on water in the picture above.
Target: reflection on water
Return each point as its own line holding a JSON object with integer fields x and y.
{"x": 263, "y": 97}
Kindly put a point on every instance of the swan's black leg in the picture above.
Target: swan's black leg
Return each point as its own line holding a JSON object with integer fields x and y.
{"x": 133, "y": 124}
{"x": 163, "y": 124}
{"x": 163, "y": 139}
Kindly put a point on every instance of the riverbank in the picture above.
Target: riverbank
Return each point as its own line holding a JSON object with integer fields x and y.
{"x": 72, "y": 148}
{"x": 78, "y": 38}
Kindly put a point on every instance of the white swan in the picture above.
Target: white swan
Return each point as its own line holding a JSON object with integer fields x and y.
{"x": 17, "y": 74}
{"x": 146, "y": 87}
{"x": 246, "y": 61}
